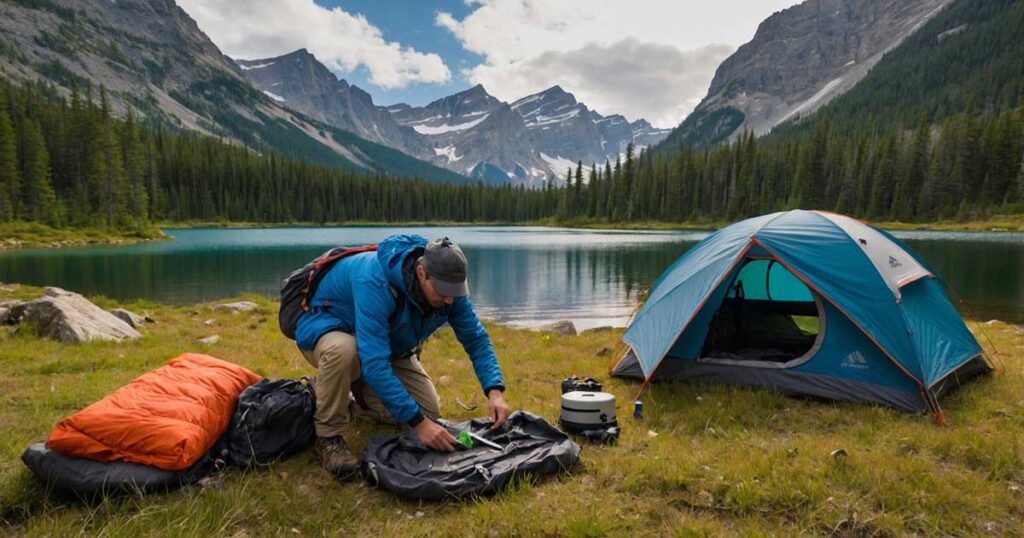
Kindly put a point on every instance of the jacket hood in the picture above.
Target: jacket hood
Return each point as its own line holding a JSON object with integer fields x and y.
{"x": 391, "y": 253}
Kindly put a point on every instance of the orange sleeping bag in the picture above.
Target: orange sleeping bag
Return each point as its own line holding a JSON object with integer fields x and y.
{"x": 167, "y": 418}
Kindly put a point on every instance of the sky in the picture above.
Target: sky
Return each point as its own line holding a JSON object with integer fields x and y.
{"x": 651, "y": 59}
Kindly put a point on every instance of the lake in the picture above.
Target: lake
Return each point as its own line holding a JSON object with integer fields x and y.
{"x": 521, "y": 276}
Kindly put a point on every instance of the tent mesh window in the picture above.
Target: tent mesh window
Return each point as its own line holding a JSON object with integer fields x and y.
{"x": 768, "y": 317}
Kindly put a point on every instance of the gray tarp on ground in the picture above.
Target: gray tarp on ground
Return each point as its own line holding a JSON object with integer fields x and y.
{"x": 402, "y": 465}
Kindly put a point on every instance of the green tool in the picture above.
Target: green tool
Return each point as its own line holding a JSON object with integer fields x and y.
{"x": 465, "y": 439}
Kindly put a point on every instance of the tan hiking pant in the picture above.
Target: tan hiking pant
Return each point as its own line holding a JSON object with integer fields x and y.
{"x": 337, "y": 362}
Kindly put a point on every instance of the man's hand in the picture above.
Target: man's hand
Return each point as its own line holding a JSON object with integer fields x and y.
{"x": 497, "y": 409}
{"x": 434, "y": 436}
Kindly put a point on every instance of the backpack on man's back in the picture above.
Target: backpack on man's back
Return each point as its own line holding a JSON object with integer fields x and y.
{"x": 300, "y": 286}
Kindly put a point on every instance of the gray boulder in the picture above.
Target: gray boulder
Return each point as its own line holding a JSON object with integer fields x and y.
{"x": 70, "y": 318}
{"x": 7, "y": 311}
{"x": 129, "y": 317}
{"x": 562, "y": 328}
{"x": 236, "y": 307}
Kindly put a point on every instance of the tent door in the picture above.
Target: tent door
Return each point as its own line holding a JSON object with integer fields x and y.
{"x": 768, "y": 319}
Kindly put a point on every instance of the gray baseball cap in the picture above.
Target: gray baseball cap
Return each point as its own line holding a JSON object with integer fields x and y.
{"x": 446, "y": 266}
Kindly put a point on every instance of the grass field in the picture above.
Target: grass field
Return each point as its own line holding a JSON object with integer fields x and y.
{"x": 706, "y": 460}
{"x": 33, "y": 234}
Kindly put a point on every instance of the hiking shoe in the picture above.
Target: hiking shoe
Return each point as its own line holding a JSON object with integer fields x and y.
{"x": 336, "y": 458}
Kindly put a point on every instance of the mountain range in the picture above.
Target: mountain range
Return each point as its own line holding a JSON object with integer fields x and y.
{"x": 471, "y": 132}
{"x": 151, "y": 57}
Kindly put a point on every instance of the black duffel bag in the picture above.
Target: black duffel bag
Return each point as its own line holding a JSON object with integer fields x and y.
{"x": 273, "y": 420}
{"x": 400, "y": 464}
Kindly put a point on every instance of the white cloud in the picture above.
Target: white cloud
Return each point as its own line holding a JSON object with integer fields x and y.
{"x": 638, "y": 80}
{"x": 343, "y": 41}
{"x": 646, "y": 58}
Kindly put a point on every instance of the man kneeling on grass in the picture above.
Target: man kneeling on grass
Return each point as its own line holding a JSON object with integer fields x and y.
{"x": 363, "y": 332}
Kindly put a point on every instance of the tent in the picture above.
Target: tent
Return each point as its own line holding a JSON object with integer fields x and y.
{"x": 807, "y": 303}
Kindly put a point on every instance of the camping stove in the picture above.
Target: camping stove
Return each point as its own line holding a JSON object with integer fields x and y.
{"x": 587, "y": 411}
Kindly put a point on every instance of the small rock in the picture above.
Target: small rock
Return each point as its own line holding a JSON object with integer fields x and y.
{"x": 209, "y": 340}
{"x": 1014, "y": 488}
{"x": 236, "y": 307}
{"x": 147, "y": 318}
{"x": 652, "y": 434}
{"x": 991, "y": 322}
{"x": 603, "y": 352}
{"x": 839, "y": 454}
{"x": 129, "y": 317}
{"x": 209, "y": 322}
{"x": 444, "y": 380}
{"x": 562, "y": 328}
{"x": 420, "y": 513}
{"x": 906, "y": 448}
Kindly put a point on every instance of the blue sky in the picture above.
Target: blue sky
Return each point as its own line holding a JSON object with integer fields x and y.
{"x": 411, "y": 22}
{"x": 651, "y": 59}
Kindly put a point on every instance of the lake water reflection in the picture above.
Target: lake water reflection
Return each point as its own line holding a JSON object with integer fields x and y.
{"x": 518, "y": 275}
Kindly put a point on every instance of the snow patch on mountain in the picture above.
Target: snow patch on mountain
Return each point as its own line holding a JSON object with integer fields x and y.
{"x": 449, "y": 153}
{"x": 560, "y": 164}
{"x": 548, "y": 120}
{"x": 814, "y": 99}
{"x": 445, "y": 128}
{"x": 251, "y": 67}
{"x": 274, "y": 96}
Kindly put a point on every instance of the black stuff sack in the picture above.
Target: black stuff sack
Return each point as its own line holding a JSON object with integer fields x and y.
{"x": 90, "y": 479}
{"x": 574, "y": 383}
{"x": 273, "y": 420}
{"x": 400, "y": 464}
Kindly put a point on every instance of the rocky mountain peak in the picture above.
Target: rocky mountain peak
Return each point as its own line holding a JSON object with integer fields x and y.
{"x": 800, "y": 59}
{"x": 299, "y": 81}
{"x": 476, "y": 98}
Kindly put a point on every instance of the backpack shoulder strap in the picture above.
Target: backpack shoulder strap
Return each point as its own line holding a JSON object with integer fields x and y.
{"x": 325, "y": 263}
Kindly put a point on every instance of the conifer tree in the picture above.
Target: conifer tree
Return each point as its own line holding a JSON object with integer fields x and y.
{"x": 10, "y": 181}
{"x": 577, "y": 192}
{"x": 135, "y": 167}
{"x": 38, "y": 198}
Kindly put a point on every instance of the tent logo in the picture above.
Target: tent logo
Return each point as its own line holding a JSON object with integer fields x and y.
{"x": 894, "y": 263}
{"x": 855, "y": 360}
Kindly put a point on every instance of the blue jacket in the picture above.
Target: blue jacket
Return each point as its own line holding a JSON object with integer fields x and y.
{"x": 357, "y": 296}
